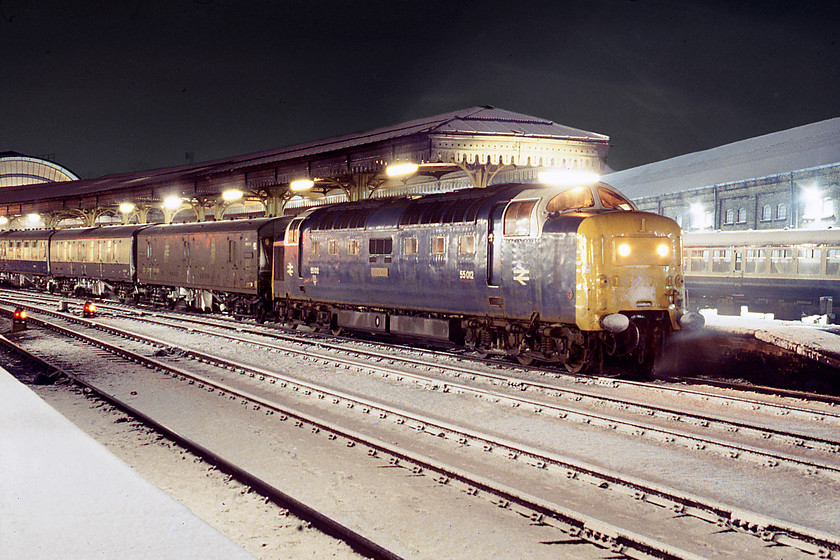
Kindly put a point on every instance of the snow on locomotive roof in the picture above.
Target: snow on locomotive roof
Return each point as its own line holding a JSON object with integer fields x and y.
{"x": 803, "y": 147}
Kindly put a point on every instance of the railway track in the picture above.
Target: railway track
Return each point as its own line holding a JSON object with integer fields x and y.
{"x": 733, "y": 438}
{"x": 530, "y": 463}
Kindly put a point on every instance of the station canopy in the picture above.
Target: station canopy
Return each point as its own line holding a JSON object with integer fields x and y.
{"x": 475, "y": 143}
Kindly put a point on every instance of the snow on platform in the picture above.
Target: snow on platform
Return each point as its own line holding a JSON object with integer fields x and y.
{"x": 63, "y": 495}
{"x": 817, "y": 342}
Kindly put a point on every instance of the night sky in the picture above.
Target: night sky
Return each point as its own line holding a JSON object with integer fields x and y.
{"x": 109, "y": 86}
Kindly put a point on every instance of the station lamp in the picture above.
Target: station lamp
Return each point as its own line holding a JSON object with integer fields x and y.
{"x": 401, "y": 169}
{"x": 231, "y": 195}
{"x": 301, "y": 185}
{"x": 567, "y": 177}
{"x": 19, "y": 320}
{"x": 172, "y": 202}
{"x": 3, "y": 220}
{"x": 126, "y": 207}
{"x": 33, "y": 219}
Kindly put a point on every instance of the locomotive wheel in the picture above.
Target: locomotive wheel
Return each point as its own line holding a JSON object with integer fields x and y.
{"x": 524, "y": 359}
{"x": 336, "y": 331}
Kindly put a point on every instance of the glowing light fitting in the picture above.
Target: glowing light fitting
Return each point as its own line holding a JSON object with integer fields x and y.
{"x": 624, "y": 250}
{"x": 231, "y": 195}
{"x": 567, "y": 177}
{"x": 663, "y": 250}
{"x": 301, "y": 185}
{"x": 126, "y": 207}
{"x": 401, "y": 169}
{"x": 172, "y": 202}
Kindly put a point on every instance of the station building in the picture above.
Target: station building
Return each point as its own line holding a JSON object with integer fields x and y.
{"x": 18, "y": 169}
{"x": 784, "y": 180}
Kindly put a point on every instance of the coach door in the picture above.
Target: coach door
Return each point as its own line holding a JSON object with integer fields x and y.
{"x": 494, "y": 241}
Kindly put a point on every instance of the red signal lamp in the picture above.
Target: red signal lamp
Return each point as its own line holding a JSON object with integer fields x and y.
{"x": 89, "y": 309}
{"x": 19, "y": 320}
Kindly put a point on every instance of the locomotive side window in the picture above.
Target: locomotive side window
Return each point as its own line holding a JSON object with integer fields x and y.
{"x": 353, "y": 247}
{"x": 438, "y": 245}
{"x": 410, "y": 246}
{"x": 518, "y": 217}
{"x": 466, "y": 245}
{"x": 572, "y": 199}
{"x": 332, "y": 247}
{"x": 316, "y": 248}
{"x": 380, "y": 246}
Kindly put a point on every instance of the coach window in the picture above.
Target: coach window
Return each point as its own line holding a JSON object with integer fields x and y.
{"x": 721, "y": 260}
{"x": 781, "y": 261}
{"x": 781, "y": 211}
{"x": 832, "y": 262}
{"x": 466, "y": 245}
{"x": 438, "y": 245}
{"x": 809, "y": 261}
{"x": 409, "y": 246}
{"x": 755, "y": 261}
{"x": 518, "y": 217}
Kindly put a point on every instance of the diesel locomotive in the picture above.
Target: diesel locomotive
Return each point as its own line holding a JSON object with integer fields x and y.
{"x": 571, "y": 275}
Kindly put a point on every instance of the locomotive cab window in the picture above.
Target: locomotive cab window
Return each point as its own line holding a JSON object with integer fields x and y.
{"x": 612, "y": 200}
{"x": 518, "y": 218}
{"x": 293, "y": 232}
{"x": 573, "y": 199}
{"x": 438, "y": 245}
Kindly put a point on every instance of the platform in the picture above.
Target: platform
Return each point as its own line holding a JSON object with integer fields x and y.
{"x": 63, "y": 495}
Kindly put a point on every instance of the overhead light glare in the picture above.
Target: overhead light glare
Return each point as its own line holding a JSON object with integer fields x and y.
{"x": 231, "y": 195}
{"x": 567, "y": 177}
{"x": 401, "y": 169}
{"x": 4, "y": 220}
{"x": 126, "y": 207}
{"x": 172, "y": 202}
{"x": 33, "y": 218}
{"x": 302, "y": 185}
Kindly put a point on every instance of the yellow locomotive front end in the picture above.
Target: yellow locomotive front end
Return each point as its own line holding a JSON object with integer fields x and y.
{"x": 629, "y": 278}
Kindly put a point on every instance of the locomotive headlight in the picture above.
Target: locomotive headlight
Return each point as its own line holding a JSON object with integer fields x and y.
{"x": 624, "y": 250}
{"x": 663, "y": 250}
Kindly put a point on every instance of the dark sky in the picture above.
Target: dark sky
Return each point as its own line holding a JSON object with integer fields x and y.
{"x": 111, "y": 86}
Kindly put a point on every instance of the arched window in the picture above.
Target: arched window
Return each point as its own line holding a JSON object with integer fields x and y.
{"x": 766, "y": 213}
{"x": 742, "y": 215}
{"x": 730, "y": 216}
{"x": 781, "y": 211}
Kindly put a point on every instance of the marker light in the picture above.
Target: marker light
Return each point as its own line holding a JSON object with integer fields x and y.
{"x": 19, "y": 320}
{"x": 89, "y": 309}
{"x": 624, "y": 250}
{"x": 663, "y": 250}
{"x": 302, "y": 185}
{"x": 401, "y": 169}
{"x": 231, "y": 195}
